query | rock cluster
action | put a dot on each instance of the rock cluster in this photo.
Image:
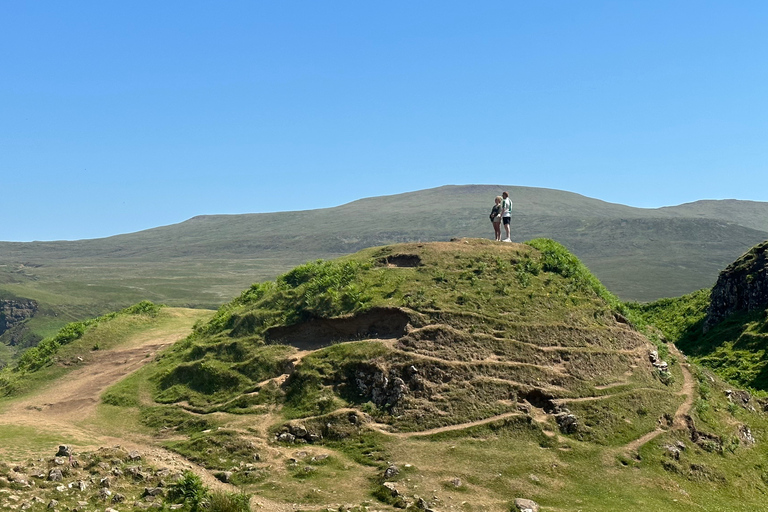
(84, 482)
(384, 388)
(14, 312)
(742, 286)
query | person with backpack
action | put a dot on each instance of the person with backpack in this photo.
(496, 218)
(506, 213)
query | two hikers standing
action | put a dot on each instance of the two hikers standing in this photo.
(501, 213)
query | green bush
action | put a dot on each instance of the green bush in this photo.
(555, 258)
(190, 492)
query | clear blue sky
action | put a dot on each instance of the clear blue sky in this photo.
(122, 116)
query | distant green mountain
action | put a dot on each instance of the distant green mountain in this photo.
(639, 254)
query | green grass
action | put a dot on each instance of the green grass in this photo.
(487, 324)
(206, 261)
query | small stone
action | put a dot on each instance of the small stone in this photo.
(153, 491)
(64, 451)
(55, 475)
(392, 489)
(224, 476)
(104, 493)
(118, 498)
(105, 482)
(391, 471)
(53, 504)
(456, 482)
(134, 455)
(524, 505)
(286, 437)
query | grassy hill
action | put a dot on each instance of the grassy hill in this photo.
(640, 254)
(450, 375)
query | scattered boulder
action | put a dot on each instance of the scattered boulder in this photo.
(64, 451)
(224, 476)
(566, 421)
(286, 437)
(740, 397)
(745, 435)
(55, 475)
(53, 504)
(525, 505)
(708, 442)
(392, 488)
(391, 471)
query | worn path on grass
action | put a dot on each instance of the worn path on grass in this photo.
(67, 405)
(678, 422)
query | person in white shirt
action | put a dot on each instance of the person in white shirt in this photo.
(506, 213)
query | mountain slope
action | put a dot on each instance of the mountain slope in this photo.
(479, 372)
(640, 254)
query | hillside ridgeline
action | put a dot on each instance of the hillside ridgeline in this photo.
(451, 375)
(207, 260)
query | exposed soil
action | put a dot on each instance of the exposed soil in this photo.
(678, 422)
(320, 332)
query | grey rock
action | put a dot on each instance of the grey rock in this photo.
(134, 456)
(153, 491)
(286, 437)
(567, 422)
(392, 489)
(745, 435)
(391, 471)
(53, 504)
(525, 505)
(299, 431)
(64, 451)
(104, 493)
(224, 476)
(55, 475)
(118, 498)
(105, 482)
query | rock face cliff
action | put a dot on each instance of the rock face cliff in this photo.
(741, 287)
(14, 312)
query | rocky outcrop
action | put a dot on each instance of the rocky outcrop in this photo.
(741, 287)
(14, 312)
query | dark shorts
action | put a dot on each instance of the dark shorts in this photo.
(506, 220)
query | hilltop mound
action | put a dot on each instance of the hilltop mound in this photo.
(464, 375)
(425, 336)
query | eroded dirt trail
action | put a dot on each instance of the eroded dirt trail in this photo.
(682, 411)
(66, 405)
(75, 396)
